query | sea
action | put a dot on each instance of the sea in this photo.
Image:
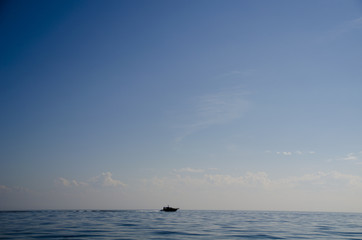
(183, 224)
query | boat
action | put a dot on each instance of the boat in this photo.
(169, 209)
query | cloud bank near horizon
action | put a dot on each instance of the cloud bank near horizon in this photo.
(191, 188)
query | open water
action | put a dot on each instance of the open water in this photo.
(183, 224)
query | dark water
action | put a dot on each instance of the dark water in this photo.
(184, 224)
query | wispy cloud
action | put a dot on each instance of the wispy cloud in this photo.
(289, 153)
(190, 170)
(100, 192)
(215, 109)
(344, 28)
(353, 157)
(194, 170)
(355, 24)
(103, 180)
(4, 188)
(350, 157)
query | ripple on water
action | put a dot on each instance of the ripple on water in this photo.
(180, 225)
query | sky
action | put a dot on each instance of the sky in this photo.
(207, 104)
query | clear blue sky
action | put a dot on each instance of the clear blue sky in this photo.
(199, 104)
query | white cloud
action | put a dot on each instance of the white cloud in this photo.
(190, 170)
(330, 181)
(70, 183)
(4, 188)
(350, 157)
(288, 153)
(284, 153)
(64, 182)
(198, 181)
(352, 180)
(250, 179)
(106, 180)
(100, 192)
(221, 180)
(103, 180)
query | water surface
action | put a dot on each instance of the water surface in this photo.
(183, 224)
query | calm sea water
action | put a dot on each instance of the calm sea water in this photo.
(184, 224)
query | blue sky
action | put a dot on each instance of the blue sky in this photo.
(198, 104)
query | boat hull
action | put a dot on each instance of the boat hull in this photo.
(169, 209)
